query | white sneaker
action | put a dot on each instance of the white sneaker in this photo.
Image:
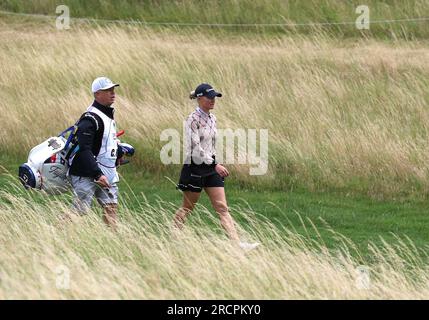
(248, 246)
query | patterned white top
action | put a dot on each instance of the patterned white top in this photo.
(200, 137)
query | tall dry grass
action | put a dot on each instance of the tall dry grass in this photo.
(251, 12)
(341, 115)
(43, 257)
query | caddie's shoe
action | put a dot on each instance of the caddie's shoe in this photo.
(248, 246)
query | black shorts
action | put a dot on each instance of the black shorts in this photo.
(196, 177)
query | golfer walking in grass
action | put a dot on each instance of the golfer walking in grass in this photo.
(93, 167)
(201, 171)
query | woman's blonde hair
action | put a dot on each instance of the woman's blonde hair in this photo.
(192, 95)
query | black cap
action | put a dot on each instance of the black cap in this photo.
(206, 90)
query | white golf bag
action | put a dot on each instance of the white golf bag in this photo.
(47, 164)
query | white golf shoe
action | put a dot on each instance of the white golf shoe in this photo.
(248, 246)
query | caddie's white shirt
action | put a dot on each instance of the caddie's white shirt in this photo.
(106, 158)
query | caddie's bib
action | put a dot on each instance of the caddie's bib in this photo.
(106, 158)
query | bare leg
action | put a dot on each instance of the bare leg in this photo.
(189, 201)
(110, 211)
(218, 200)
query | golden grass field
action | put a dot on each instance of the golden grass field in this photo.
(44, 257)
(346, 115)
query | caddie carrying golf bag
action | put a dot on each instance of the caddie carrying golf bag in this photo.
(48, 163)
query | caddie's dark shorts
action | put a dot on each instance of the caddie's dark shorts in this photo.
(196, 177)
